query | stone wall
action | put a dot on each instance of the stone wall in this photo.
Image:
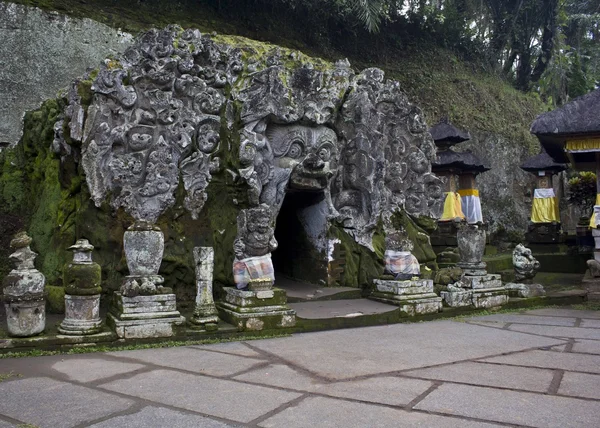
(40, 54)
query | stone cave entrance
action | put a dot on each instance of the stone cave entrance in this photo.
(301, 233)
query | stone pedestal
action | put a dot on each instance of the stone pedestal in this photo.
(23, 291)
(82, 278)
(143, 317)
(256, 310)
(525, 290)
(205, 313)
(476, 287)
(82, 315)
(414, 297)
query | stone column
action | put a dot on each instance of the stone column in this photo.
(23, 291)
(82, 281)
(205, 313)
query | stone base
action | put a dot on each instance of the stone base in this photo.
(490, 298)
(82, 315)
(543, 233)
(414, 297)
(525, 290)
(256, 310)
(26, 317)
(478, 291)
(457, 299)
(143, 317)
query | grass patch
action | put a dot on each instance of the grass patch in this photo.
(136, 346)
(587, 306)
(5, 376)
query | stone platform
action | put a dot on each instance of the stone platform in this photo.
(538, 368)
(256, 310)
(144, 317)
(414, 297)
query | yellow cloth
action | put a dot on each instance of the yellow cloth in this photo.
(545, 210)
(593, 217)
(468, 192)
(592, 144)
(452, 207)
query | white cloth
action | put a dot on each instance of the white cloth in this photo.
(543, 193)
(471, 206)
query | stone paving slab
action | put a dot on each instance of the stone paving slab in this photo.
(92, 369)
(521, 408)
(235, 348)
(349, 353)
(551, 331)
(526, 319)
(216, 397)
(160, 417)
(388, 390)
(590, 323)
(340, 308)
(195, 360)
(328, 412)
(580, 385)
(564, 312)
(551, 360)
(530, 379)
(46, 402)
(587, 346)
(4, 424)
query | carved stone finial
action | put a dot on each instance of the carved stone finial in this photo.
(82, 251)
(23, 258)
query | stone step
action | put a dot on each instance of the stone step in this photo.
(304, 292)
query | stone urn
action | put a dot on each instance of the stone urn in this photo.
(471, 240)
(82, 281)
(144, 245)
(23, 291)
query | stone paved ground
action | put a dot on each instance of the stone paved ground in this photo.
(536, 368)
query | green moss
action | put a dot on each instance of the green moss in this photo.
(422, 249)
(55, 299)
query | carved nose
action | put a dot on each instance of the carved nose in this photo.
(314, 162)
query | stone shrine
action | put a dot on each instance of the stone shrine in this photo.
(571, 134)
(184, 124)
(23, 291)
(544, 227)
(82, 280)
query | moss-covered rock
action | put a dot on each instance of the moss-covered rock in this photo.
(55, 299)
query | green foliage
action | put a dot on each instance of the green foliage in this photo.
(582, 191)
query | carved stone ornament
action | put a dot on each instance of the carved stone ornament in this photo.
(526, 266)
(158, 115)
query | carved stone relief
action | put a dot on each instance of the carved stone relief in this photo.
(158, 115)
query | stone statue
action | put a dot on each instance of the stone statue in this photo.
(399, 261)
(526, 266)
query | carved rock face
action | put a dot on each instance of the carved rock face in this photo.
(179, 107)
(307, 154)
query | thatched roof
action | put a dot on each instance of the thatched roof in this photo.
(580, 116)
(542, 162)
(464, 161)
(448, 133)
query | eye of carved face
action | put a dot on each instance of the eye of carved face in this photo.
(324, 153)
(296, 150)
